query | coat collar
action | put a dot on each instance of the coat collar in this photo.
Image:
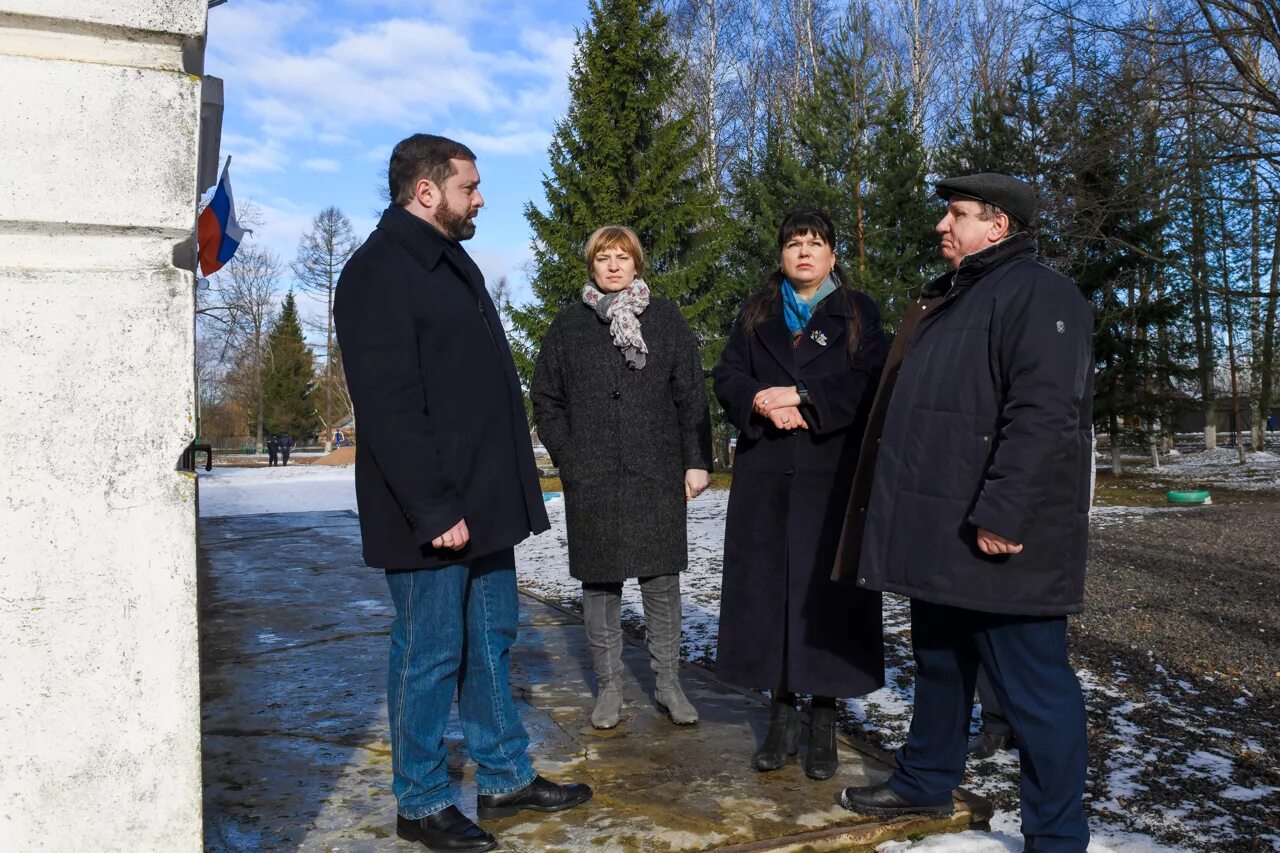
(428, 246)
(977, 265)
(420, 239)
(827, 328)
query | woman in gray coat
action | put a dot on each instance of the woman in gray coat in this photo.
(620, 404)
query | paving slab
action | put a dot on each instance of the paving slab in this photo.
(296, 752)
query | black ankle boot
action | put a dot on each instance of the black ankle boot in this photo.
(783, 737)
(822, 760)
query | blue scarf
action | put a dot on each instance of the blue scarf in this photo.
(796, 311)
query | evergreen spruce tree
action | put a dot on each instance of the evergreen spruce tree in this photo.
(819, 159)
(901, 212)
(289, 376)
(986, 140)
(620, 157)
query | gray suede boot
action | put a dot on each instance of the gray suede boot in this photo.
(662, 615)
(602, 615)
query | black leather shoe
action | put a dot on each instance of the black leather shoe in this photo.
(448, 829)
(821, 761)
(882, 801)
(782, 739)
(539, 795)
(985, 745)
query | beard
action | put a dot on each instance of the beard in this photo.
(458, 225)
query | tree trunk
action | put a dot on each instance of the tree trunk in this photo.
(1269, 331)
(328, 370)
(1117, 466)
(1231, 342)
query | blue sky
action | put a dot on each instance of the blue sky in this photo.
(317, 93)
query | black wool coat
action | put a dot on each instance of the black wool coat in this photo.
(990, 426)
(783, 621)
(443, 431)
(622, 439)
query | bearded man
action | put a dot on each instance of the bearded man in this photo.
(446, 486)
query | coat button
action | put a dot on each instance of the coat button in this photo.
(862, 509)
(862, 580)
(616, 393)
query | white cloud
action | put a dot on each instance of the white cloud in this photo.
(322, 164)
(512, 142)
(252, 154)
(326, 87)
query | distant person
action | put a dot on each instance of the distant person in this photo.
(446, 486)
(286, 444)
(621, 406)
(273, 449)
(979, 511)
(796, 378)
(337, 438)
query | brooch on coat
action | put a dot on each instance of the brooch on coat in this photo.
(819, 337)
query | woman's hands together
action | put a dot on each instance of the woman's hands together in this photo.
(781, 405)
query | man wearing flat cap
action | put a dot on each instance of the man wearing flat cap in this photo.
(972, 498)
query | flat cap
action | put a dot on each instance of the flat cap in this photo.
(1016, 198)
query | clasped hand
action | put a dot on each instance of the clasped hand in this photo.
(454, 539)
(781, 405)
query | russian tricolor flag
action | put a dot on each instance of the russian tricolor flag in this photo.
(219, 234)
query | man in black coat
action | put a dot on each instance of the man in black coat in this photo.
(979, 512)
(273, 449)
(446, 487)
(286, 445)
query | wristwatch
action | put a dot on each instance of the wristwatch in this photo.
(803, 391)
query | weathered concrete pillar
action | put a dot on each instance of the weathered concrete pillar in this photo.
(99, 679)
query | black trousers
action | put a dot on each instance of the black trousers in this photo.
(1026, 659)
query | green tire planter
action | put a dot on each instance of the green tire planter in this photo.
(1193, 496)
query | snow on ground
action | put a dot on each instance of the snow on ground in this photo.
(291, 488)
(1218, 468)
(1137, 758)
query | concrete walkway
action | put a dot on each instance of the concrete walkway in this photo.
(296, 757)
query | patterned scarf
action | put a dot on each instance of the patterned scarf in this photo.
(797, 311)
(622, 310)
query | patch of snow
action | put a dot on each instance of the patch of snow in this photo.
(254, 491)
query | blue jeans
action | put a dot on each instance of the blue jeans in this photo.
(1026, 659)
(453, 632)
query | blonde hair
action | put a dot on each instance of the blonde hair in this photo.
(615, 237)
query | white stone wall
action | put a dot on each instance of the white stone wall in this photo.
(99, 675)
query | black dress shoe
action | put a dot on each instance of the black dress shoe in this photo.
(448, 829)
(782, 739)
(985, 744)
(882, 801)
(539, 795)
(822, 760)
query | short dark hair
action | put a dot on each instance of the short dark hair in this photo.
(422, 156)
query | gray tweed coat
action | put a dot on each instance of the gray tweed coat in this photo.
(623, 439)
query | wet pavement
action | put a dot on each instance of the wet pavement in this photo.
(296, 756)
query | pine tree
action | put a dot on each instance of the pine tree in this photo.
(619, 157)
(290, 375)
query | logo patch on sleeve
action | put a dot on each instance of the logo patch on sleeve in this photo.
(1062, 327)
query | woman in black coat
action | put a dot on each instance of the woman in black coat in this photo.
(797, 378)
(620, 404)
